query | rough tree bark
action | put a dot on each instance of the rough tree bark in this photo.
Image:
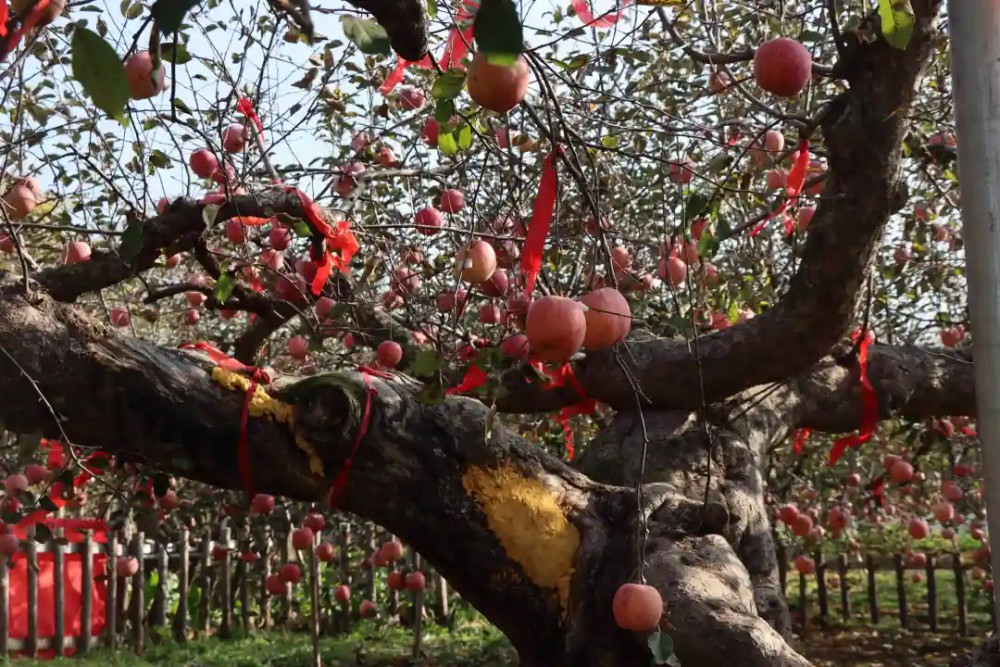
(539, 547)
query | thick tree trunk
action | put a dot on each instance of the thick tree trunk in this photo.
(535, 545)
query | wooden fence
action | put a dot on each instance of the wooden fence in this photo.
(229, 587)
(947, 565)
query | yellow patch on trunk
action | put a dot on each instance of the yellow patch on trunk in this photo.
(529, 522)
(263, 404)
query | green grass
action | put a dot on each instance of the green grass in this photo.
(472, 645)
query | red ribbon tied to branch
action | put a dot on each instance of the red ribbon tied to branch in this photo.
(366, 414)
(585, 406)
(33, 18)
(583, 12)
(800, 439)
(245, 107)
(793, 188)
(869, 402)
(340, 243)
(257, 376)
(455, 49)
(541, 219)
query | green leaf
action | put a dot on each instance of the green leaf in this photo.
(609, 141)
(99, 70)
(169, 14)
(131, 241)
(223, 287)
(427, 363)
(134, 11)
(367, 35)
(178, 57)
(498, 32)
(897, 21)
(465, 137)
(448, 85)
(447, 144)
(301, 229)
(159, 159)
(443, 111)
(432, 9)
(661, 646)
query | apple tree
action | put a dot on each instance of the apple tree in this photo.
(546, 299)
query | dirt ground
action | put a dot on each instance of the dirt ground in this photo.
(837, 647)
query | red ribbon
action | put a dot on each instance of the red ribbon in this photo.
(869, 402)
(800, 440)
(582, 10)
(585, 406)
(541, 219)
(257, 376)
(341, 245)
(474, 377)
(793, 188)
(341, 481)
(4, 17)
(245, 107)
(29, 23)
(455, 49)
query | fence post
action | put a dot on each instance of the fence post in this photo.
(206, 580)
(904, 620)
(244, 572)
(183, 569)
(418, 610)
(821, 583)
(314, 597)
(86, 601)
(803, 602)
(441, 597)
(159, 618)
(111, 590)
(58, 593)
(845, 598)
(956, 566)
(265, 597)
(872, 589)
(225, 630)
(782, 563)
(4, 609)
(137, 600)
(932, 602)
(32, 558)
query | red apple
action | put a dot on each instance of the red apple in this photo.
(143, 82)
(637, 607)
(452, 201)
(75, 252)
(126, 566)
(476, 261)
(555, 327)
(262, 503)
(782, 66)
(428, 221)
(234, 138)
(389, 354)
(290, 573)
(497, 87)
(325, 552)
(298, 347)
(302, 539)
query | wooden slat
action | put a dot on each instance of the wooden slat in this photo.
(87, 585)
(962, 610)
(313, 563)
(183, 571)
(904, 617)
(159, 617)
(845, 598)
(31, 552)
(932, 601)
(226, 593)
(244, 572)
(821, 584)
(418, 611)
(872, 589)
(58, 592)
(265, 597)
(111, 606)
(206, 580)
(137, 600)
(4, 607)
